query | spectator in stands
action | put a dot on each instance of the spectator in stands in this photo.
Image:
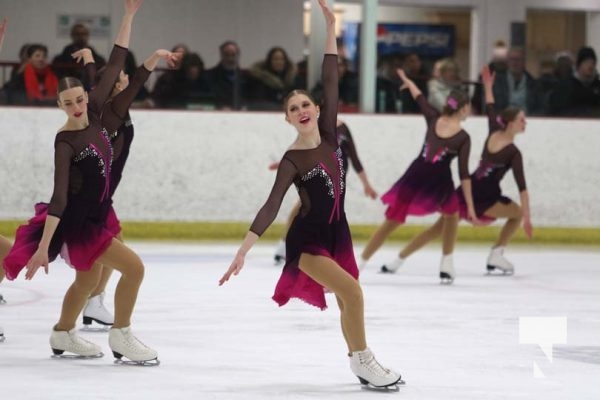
(23, 59)
(37, 83)
(447, 81)
(579, 95)
(414, 69)
(186, 87)
(271, 80)
(63, 63)
(515, 87)
(228, 81)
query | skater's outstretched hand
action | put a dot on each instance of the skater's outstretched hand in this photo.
(39, 258)
(528, 228)
(83, 54)
(234, 268)
(329, 15)
(132, 6)
(370, 192)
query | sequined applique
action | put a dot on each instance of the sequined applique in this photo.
(440, 155)
(485, 169)
(319, 171)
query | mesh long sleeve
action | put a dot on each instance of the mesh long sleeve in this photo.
(463, 158)
(350, 149)
(63, 153)
(286, 172)
(119, 106)
(518, 172)
(329, 106)
(427, 110)
(493, 124)
(115, 65)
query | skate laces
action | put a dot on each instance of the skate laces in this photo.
(367, 359)
(78, 342)
(134, 343)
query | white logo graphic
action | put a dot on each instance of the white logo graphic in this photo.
(544, 331)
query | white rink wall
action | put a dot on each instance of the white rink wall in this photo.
(212, 166)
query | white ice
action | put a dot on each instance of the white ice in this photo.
(233, 342)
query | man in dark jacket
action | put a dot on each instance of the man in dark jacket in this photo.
(64, 65)
(228, 82)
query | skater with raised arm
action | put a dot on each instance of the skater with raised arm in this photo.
(427, 186)
(77, 221)
(320, 255)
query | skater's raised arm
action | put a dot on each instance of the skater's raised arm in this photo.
(329, 78)
(116, 61)
(89, 65)
(427, 110)
(495, 122)
(123, 100)
(286, 173)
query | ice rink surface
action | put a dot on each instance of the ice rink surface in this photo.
(233, 342)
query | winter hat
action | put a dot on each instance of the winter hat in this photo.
(586, 53)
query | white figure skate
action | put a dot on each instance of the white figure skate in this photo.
(497, 263)
(371, 374)
(95, 311)
(61, 341)
(447, 270)
(124, 344)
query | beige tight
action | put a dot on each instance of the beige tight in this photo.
(513, 214)
(124, 260)
(446, 226)
(348, 294)
(5, 246)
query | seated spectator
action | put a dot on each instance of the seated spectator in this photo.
(37, 84)
(23, 60)
(228, 81)
(64, 65)
(440, 87)
(272, 79)
(579, 95)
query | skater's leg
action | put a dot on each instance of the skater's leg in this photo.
(429, 234)
(329, 274)
(76, 297)
(379, 238)
(124, 260)
(5, 246)
(513, 214)
(104, 278)
(449, 231)
(341, 307)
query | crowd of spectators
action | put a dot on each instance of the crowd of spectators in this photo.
(567, 85)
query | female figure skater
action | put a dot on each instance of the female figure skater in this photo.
(121, 140)
(77, 222)
(348, 148)
(427, 186)
(319, 244)
(499, 155)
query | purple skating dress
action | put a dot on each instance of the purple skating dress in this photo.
(83, 180)
(485, 181)
(320, 228)
(427, 186)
